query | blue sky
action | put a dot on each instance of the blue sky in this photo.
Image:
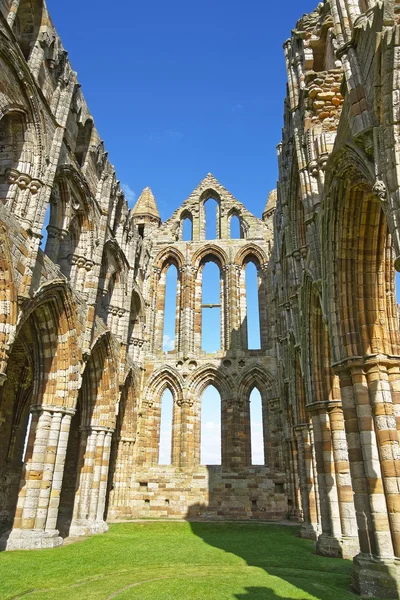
(180, 89)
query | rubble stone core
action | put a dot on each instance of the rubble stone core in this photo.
(82, 365)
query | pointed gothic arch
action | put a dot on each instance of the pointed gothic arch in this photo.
(27, 23)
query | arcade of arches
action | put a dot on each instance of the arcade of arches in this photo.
(94, 361)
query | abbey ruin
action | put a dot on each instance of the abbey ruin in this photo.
(82, 364)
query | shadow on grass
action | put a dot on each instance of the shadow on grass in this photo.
(282, 555)
(260, 593)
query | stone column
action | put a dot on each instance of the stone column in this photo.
(243, 339)
(156, 314)
(176, 433)
(187, 310)
(187, 432)
(120, 486)
(234, 278)
(349, 541)
(263, 305)
(99, 509)
(39, 496)
(370, 426)
(272, 428)
(384, 414)
(310, 527)
(329, 541)
(93, 465)
(236, 446)
(229, 305)
(292, 475)
(197, 312)
(394, 380)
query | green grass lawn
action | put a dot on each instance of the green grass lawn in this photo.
(178, 561)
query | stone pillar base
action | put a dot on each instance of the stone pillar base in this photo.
(350, 547)
(30, 539)
(328, 545)
(374, 578)
(84, 527)
(309, 532)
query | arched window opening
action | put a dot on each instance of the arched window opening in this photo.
(71, 469)
(319, 52)
(46, 223)
(27, 24)
(211, 208)
(12, 138)
(235, 228)
(165, 446)
(169, 332)
(187, 229)
(83, 141)
(252, 308)
(369, 243)
(27, 431)
(256, 428)
(211, 308)
(324, 52)
(210, 437)
(134, 317)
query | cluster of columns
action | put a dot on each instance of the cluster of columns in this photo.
(35, 522)
(39, 497)
(93, 465)
(119, 504)
(348, 461)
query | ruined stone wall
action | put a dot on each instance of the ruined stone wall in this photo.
(72, 327)
(336, 242)
(236, 489)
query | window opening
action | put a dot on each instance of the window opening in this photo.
(210, 449)
(187, 230)
(235, 228)
(27, 432)
(83, 141)
(44, 228)
(170, 309)
(256, 428)
(165, 446)
(27, 24)
(253, 309)
(211, 308)
(211, 212)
